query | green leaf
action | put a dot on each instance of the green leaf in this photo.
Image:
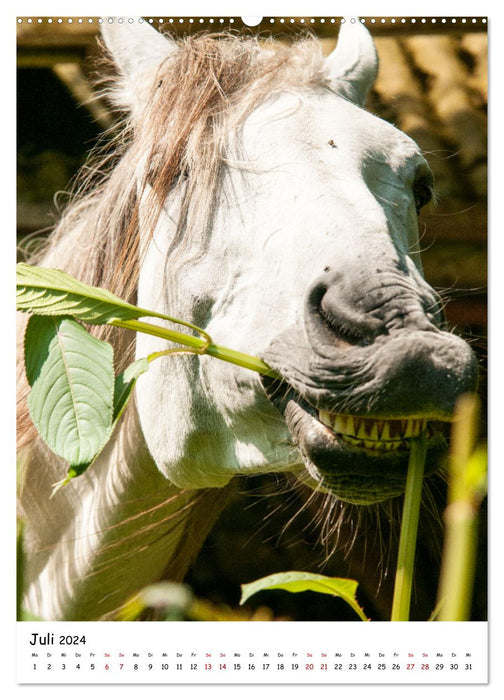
(299, 581)
(124, 385)
(71, 376)
(49, 292)
(172, 599)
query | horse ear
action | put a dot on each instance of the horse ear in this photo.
(137, 49)
(353, 65)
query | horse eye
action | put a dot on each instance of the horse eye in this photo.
(422, 192)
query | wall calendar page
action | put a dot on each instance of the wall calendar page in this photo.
(252, 359)
(314, 653)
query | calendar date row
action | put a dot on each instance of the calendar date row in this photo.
(123, 666)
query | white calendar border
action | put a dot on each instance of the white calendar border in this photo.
(273, 8)
(203, 653)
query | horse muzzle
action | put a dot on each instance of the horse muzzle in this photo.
(357, 386)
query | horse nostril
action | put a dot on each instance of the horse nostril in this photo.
(343, 330)
(335, 320)
(348, 323)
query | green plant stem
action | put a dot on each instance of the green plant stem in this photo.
(456, 582)
(461, 516)
(199, 345)
(409, 526)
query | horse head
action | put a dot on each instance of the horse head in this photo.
(286, 226)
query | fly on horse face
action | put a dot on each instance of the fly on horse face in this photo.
(250, 194)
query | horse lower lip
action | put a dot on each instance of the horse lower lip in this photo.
(354, 470)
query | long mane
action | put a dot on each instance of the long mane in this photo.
(200, 96)
(182, 138)
(177, 146)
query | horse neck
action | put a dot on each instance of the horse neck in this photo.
(119, 526)
(110, 532)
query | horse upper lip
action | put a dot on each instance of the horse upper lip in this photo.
(414, 374)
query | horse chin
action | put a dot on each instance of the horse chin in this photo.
(342, 454)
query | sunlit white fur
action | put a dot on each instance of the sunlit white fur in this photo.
(311, 179)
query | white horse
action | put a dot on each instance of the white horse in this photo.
(251, 194)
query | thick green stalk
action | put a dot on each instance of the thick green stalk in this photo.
(409, 527)
(457, 576)
(199, 345)
(466, 488)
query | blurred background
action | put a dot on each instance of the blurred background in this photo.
(432, 84)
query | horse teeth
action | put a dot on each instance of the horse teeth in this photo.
(395, 429)
(362, 432)
(353, 441)
(340, 424)
(392, 445)
(373, 434)
(325, 418)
